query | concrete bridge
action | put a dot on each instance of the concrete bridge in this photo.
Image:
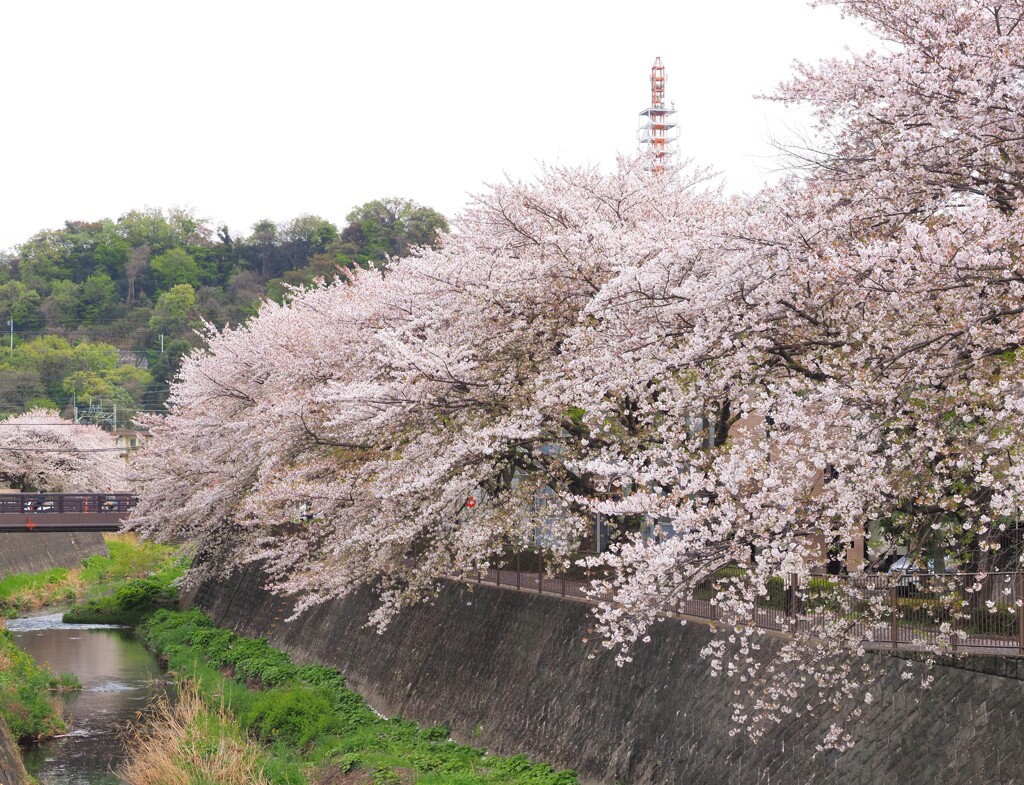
(64, 512)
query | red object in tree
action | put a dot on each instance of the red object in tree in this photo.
(471, 502)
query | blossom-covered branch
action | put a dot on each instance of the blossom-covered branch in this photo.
(761, 378)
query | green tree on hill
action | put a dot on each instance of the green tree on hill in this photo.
(174, 310)
(389, 227)
(98, 298)
(174, 267)
(22, 304)
(153, 273)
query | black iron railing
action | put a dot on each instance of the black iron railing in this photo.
(952, 612)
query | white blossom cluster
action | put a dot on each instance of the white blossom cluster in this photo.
(41, 451)
(762, 374)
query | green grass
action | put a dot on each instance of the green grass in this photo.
(308, 720)
(25, 591)
(130, 560)
(25, 701)
(65, 682)
(98, 577)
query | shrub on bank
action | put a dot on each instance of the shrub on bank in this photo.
(129, 605)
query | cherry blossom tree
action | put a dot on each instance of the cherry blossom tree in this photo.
(384, 403)
(859, 344)
(759, 376)
(41, 451)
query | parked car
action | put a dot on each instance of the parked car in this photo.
(905, 564)
(907, 574)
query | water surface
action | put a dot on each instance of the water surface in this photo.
(119, 677)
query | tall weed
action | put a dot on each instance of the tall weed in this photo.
(186, 742)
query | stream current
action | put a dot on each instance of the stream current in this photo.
(119, 677)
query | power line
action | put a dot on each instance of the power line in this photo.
(62, 449)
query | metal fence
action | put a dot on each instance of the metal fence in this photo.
(979, 612)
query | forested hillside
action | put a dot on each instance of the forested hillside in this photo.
(98, 314)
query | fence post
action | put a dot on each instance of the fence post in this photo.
(498, 571)
(540, 572)
(519, 571)
(894, 600)
(954, 616)
(791, 605)
(1020, 613)
(563, 583)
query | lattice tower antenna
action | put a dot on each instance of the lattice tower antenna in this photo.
(658, 128)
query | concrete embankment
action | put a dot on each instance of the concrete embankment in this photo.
(38, 551)
(12, 772)
(509, 671)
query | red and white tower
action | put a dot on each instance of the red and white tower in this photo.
(658, 128)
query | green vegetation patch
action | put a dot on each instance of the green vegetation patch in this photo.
(25, 700)
(313, 727)
(129, 605)
(130, 559)
(23, 591)
(151, 570)
(141, 575)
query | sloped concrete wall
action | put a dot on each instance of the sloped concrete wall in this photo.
(37, 551)
(12, 771)
(509, 671)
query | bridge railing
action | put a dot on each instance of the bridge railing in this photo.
(62, 503)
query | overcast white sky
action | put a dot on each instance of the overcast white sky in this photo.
(246, 110)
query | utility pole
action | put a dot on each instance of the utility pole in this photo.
(11, 323)
(161, 343)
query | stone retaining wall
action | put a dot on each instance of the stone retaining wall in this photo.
(38, 551)
(509, 671)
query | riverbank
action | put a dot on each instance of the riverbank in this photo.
(245, 712)
(27, 707)
(311, 728)
(97, 577)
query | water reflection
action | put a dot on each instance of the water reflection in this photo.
(118, 678)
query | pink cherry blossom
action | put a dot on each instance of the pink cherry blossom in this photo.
(758, 375)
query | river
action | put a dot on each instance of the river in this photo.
(119, 677)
